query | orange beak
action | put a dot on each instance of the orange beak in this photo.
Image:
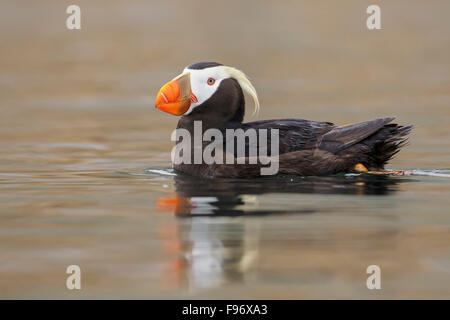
(175, 96)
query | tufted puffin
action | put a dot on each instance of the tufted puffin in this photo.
(214, 94)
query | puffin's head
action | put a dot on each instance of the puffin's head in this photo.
(206, 87)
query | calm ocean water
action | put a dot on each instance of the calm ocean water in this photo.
(85, 172)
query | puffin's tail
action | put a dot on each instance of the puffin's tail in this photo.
(384, 144)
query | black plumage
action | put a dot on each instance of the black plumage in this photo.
(305, 147)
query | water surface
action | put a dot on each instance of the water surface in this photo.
(85, 172)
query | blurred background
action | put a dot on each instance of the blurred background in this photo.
(80, 142)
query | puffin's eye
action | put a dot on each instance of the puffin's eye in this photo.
(210, 81)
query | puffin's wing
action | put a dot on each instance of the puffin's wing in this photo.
(294, 134)
(343, 137)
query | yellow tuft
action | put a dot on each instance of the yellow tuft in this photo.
(245, 84)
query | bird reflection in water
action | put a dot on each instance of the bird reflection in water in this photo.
(214, 246)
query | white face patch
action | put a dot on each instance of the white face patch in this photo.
(204, 83)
